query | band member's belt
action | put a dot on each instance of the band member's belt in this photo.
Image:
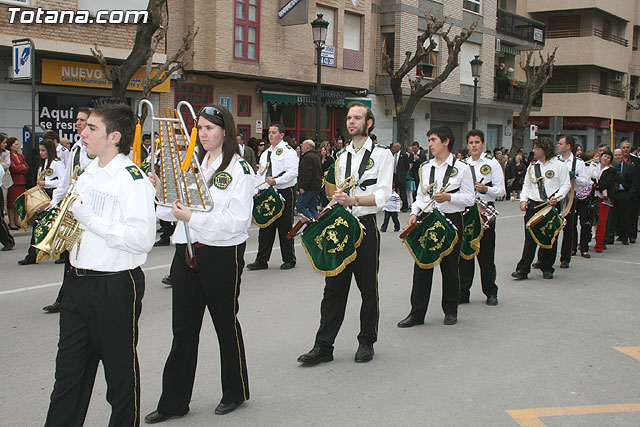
(367, 182)
(369, 216)
(83, 272)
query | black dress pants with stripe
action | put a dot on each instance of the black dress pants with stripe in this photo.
(423, 279)
(486, 260)
(267, 235)
(546, 256)
(98, 322)
(214, 285)
(336, 291)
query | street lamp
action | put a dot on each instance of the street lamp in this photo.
(319, 27)
(476, 68)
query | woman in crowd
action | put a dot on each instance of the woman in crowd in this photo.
(219, 240)
(605, 188)
(261, 148)
(520, 170)
(326, 160)
(19, 169)
(5, 162)
(51, 171)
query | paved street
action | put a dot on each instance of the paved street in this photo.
(548, 344)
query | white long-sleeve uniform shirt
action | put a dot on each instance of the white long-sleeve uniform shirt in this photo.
(379, 167)
(460, 180)
(52, 173)
(283, 158)
(63, 153)
(490, 172)
(582, 175)
(555, 177)
(78, 152)
(123, 228)
(227, 224)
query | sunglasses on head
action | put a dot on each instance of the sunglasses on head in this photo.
(211, 111)
(261, 145)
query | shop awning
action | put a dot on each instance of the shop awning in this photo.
(509, 50)
(306, 99)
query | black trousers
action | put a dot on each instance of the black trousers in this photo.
(98, 322)
(423, 279)
(394, 217)
(546, 256)
(167, 228)
(581, 241)
(215, 285)
(633, 218)
(5, 237)
(568, 236)
(336, 290)
(621, 214)
(486, 260)
(267, 235)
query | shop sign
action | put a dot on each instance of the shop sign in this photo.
(22, 61)
(85, 74)
(541, 121)
(332, 95)
(585, 122)
(450, 112)
(293, 12)
(328, 56)
(258, 126)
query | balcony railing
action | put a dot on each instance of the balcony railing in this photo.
(512, 92)
(520, 27)
(586, 32)
(575, 88)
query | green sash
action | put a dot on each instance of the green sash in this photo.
(545, 231)
(267, 207)
(433, 239)
(471, 233)
(331, 241)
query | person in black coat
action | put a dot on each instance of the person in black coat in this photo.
(605, 191)
(623, 198)
(401, 166)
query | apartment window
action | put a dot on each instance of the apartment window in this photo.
(353, 51)
(196, 94)
(18, 2)
(468, 52)
(472, 5)
(429, 66)
(388, 46)
(244, 131)
(328, 15)
(244, 106)
(246, 37)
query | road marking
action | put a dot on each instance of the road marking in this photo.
(531, 417)
(50, 285)
(629, 351)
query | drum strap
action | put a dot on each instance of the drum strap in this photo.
(363, 164)
(540, 182)
(473, 174)
(269, 168)
(447, 175)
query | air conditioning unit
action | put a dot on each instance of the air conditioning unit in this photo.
(498, 48)
(616, 76)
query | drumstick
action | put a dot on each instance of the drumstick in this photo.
(411, 227)
(264, 182)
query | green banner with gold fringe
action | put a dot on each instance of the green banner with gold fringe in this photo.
(472, 233)
(545, 226)
(330, 180)
(267, 207)
(21, 208)
(331, 241)
(434, 238)
(42, 228)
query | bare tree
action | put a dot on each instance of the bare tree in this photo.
(538, 74)
(148, 37)
(420, 86)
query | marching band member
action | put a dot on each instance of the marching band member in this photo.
(278, 168)
(488, 181)
(62, 152)
(442, 169)
(103, 289)
(577, 173)
(547, 182)
(372, 167)
(219, 238)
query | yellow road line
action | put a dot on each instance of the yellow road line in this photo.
(531, 417)
(630, 351)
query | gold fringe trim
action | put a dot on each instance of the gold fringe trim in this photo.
(553, 239)
(342, 266)
(475, 243)
(438, 261)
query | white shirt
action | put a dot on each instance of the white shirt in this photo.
(460, 180)
(53, 174)
(488, 169)
(227, 224)
(582, 175)
(119, 241)
(63, 153)
(84, 160)
(379, 167)
(283, 159)
(555, 177)
(598, 192)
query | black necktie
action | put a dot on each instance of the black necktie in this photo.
(269, 168)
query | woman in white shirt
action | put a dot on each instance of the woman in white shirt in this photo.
(51, 171)
(218, 238)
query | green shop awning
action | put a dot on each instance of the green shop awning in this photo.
(306, 99)
(510, 50)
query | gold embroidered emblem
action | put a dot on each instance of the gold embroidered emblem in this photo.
(485, 169)
(370, 164)
(278, 151)
(549, 174)
(454, 172)
(221, 180)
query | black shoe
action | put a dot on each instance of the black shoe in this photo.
(625, 242)
(518, 275)
(536, 265)
(450, 319)
(492, 300)
(632, 240)
(463, 300)
(564, 264)
(315, 356)
(158, 417)
(396, 229)
(609, 241)
(364, 353)
(27, 261)
(225, 408)
(573, 252)
(384, 230)
(404, 210)
(53, 308)
(162, 242)
(585, 255)
(8, 247)
(59, 261)
(547, 275)
(257, 266)
(287, 266)
(409, 321)
(167, 280)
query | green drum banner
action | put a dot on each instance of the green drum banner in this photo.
(545, 226)
(21, 208)
(42, 228)
(433, 239)
(267, 207)
(330, 242)
(330, 180)
(472, 233)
